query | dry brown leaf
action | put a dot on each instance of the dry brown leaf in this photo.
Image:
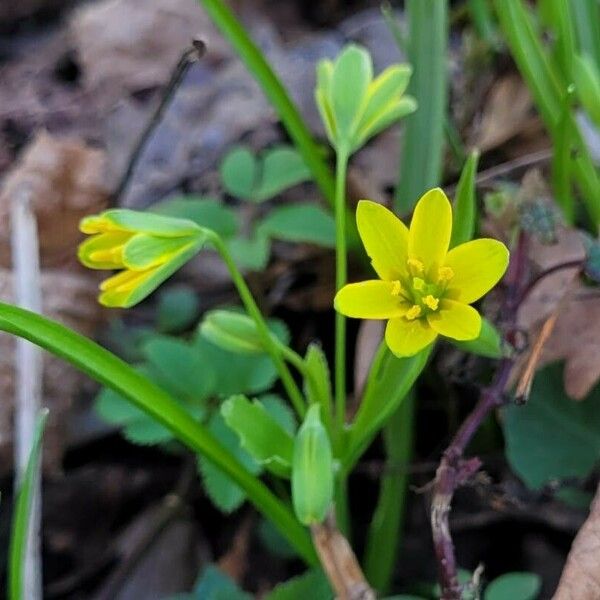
(63, 180)
(580, 579)
(507, 113)
(129, 45)
(576, 335)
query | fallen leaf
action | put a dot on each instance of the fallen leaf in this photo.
(131, 45)
(63, 181)
(580, 578)
(576, 334)
(507, 113)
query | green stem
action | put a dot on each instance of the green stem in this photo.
(341, 274)
(111, 371)
(271, 346)
(256, 63)
(342, 509)
(385, 532)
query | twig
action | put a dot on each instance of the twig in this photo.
(28, 373)
(454, 470)
(187, 59)
(339, 563)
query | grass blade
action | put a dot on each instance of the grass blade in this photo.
(21, 518)
(385, 530)
(422, 146)
(256, 63)
(111, 371)
(465, 205)
(586, 22)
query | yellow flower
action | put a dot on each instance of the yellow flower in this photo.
(147, 249)
(424, 289)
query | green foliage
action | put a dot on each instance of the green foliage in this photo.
(260, 178)
(22, 514)
(237, 332)
(422, 145)
(386, 388)
(221, 489)
(514, 586)
(552, 436)
(260, 434)
(464, 218)
(312, 584)
(312, 470)
(548, 77)
(354, 107)
(206, 212)
(213, 584)
(178, 309)
(587, 85)
(488, 343)
(303, 222)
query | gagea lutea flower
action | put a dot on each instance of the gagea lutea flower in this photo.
(424, 289)
(146, 248)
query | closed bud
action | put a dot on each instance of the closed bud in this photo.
(312, 470)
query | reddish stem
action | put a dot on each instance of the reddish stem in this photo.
(454, 470)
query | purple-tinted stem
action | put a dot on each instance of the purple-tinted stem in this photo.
(454, 470)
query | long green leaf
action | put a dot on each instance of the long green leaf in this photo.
(385, 530)
(254, 60)
(465, 206)
(111, 371)
(22, 515)
(422, 146)
(386, 389)
(586, 21)
(548, 89)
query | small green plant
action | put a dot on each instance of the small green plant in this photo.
(211, 390)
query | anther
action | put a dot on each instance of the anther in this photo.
(413, 313)
(396, 288)
(416, 265)
(431, 302)
(445, 274)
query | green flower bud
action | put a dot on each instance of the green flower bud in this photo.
(312, 470)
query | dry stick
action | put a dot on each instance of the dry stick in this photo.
(187, 59)
(28, 373)
(339, 563)
(454, 470)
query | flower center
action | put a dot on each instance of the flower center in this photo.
(421, 290)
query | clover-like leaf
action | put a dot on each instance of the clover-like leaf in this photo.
(260, 434)
(262, 177)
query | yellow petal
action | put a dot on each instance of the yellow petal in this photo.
(430, 230)
(385, 238)
(406, 338)
(104, 250)
(455, 320)
(371, 300)
(478, 266)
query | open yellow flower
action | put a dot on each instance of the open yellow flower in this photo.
(424, 289)
(146, 248)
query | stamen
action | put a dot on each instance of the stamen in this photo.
(413, 312)
(445, 274)
(418, 284)
(416, 265)
(431, 302)
(396, 288)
